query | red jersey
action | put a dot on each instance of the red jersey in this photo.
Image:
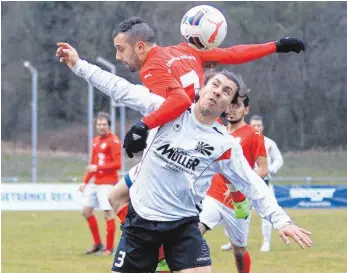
(176, 73)
(253, 146)
(106, 154)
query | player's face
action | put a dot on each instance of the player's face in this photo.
(236, 112)
(216, 95)
(127, 52)
(258, 125)
(102, 127)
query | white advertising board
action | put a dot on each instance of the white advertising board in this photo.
(28, 196)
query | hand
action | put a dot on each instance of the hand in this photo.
(135, 139)
(92, 168)
(290, 44)
(297, 233)
(81, 187)
(67, 54)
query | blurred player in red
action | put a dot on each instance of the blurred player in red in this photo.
(217, 209)
(104, 164)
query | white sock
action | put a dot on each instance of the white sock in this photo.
(266, 229)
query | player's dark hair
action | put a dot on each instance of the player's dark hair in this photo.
(103, 115)
(137, 29)
(245, 100)
(257, 117)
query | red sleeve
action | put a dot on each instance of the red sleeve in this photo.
(116, 162)
(258, 145)
(161, 82)
(238, 54)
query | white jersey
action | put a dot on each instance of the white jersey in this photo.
(274, 156)
(181, 156)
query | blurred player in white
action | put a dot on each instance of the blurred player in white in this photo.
(104, 164)
(275, 162)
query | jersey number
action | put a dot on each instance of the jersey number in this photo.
(120, 259)
(191, 79)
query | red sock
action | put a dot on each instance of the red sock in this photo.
(122, 214)
(161, 254)
(110, 231)
(247, 262)
(93, 225)
(237, 196)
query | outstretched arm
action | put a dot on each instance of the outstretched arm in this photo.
(246, 53)
(234, 166)
(120, 90)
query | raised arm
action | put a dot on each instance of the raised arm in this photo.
(247, 53)
(120, 90)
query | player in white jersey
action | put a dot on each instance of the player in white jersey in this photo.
(275, 162)
(181, 156)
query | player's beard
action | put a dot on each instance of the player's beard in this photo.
(136, 63)
(234, 121)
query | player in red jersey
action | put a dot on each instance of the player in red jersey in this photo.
(176, 73)
(217, 209)
(104, 164)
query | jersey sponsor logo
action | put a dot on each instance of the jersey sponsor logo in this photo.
(103, 145)
(179, 58)
(179, 157)
(204, 148)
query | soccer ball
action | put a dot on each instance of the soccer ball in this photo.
(204, 27)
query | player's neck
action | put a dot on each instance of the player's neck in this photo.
(232, 127)
(148, 49)
(203, 118)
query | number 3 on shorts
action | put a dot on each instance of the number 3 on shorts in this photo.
(120, 259)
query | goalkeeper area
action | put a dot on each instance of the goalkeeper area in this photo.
(54, 242)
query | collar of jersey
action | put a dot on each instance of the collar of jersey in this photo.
(197, 122)
(152, 52)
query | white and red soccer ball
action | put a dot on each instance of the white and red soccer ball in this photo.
(204, 27)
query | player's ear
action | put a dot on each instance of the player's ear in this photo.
(140, 47)
(246, 111)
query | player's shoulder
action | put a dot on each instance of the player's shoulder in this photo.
(114, 139)
(181, 49)
(96, 139)
(253, 131)
(269, 141)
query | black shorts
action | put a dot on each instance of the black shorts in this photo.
(138, 248)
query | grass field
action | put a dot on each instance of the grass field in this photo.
(60, 167)
(53, 242)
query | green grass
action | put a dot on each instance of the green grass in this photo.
(53, 242)
(52, 167)
(60, 167)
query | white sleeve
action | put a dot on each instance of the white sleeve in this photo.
(119, 89)
(276, 158)
(237, 170)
